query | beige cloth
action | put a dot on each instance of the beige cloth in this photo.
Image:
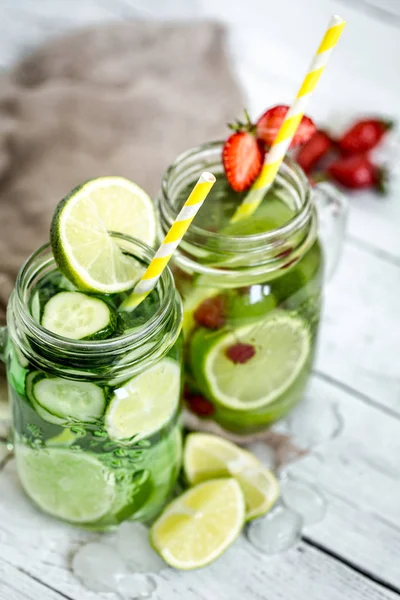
(124, 99)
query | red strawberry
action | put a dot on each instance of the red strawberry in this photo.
(211, 313)
(363, 135)
(240, 353)
(242, 155)
(313, 150)
(269, 123)
(199, 405)
(357, 172)
(243, 158)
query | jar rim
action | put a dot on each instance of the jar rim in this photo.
(43, 257)
(247, 243)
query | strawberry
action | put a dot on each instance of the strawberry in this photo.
(199, 405)
(211, 313)
(240, 353)
(269, 123)
(357, 172)
(313, 150)
(363, 135)
(242, 155)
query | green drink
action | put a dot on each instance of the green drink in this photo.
(252, 293)
(95, 392)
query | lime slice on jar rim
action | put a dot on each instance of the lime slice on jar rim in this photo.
(83, 248)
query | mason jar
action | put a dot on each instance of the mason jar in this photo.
(252, 290)
(72, 398)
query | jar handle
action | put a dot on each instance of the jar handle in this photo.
(3, 342)
(332, 208)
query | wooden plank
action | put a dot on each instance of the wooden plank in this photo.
(359, 338)
(43, 548)
(16, 585)
(359, 474)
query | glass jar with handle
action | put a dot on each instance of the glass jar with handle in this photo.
(251, 289)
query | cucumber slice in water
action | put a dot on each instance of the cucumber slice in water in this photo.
(56, 399)
(77, 316)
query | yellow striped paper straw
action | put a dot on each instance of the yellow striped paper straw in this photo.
(171, 241)
(291, 122)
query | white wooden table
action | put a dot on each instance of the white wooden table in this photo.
(354, 552)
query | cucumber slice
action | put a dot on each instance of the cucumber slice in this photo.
(58, 400)
(77, 316)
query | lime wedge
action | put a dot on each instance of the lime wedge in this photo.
(198, 527)
(208, 456)
(66, 484)
(82, 247)
(282, 346)
(145, 403)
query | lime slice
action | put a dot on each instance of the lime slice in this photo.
(77, 316)
(145, 403)
(208, 456)
(84, 250)
(69, 485)
(198, 527)
(282, 346)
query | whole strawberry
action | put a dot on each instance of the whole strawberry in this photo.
(269, 124)
(242, 155)
(357, 172)
(313, 151)
(363, 136)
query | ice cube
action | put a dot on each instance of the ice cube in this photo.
(136, 585)
(132, 543)
(265, 454)
(99, 567)
(313, 422)
(278, 531)
(304, 499)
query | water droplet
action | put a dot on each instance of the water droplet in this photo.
(278, 531)
(119, 451)
(304, 499)
(100, 433)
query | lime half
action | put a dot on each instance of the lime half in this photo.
(281, 343)
(208, 456)
(145, 403)
(198, 527)
(84, 250)
(66, 484)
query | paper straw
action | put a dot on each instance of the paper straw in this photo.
(284, 137)
(173, 238)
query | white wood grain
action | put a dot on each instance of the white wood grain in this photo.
(16, 585)
(271, 43)
(359, 339)
(43, 548)
(359, 473)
